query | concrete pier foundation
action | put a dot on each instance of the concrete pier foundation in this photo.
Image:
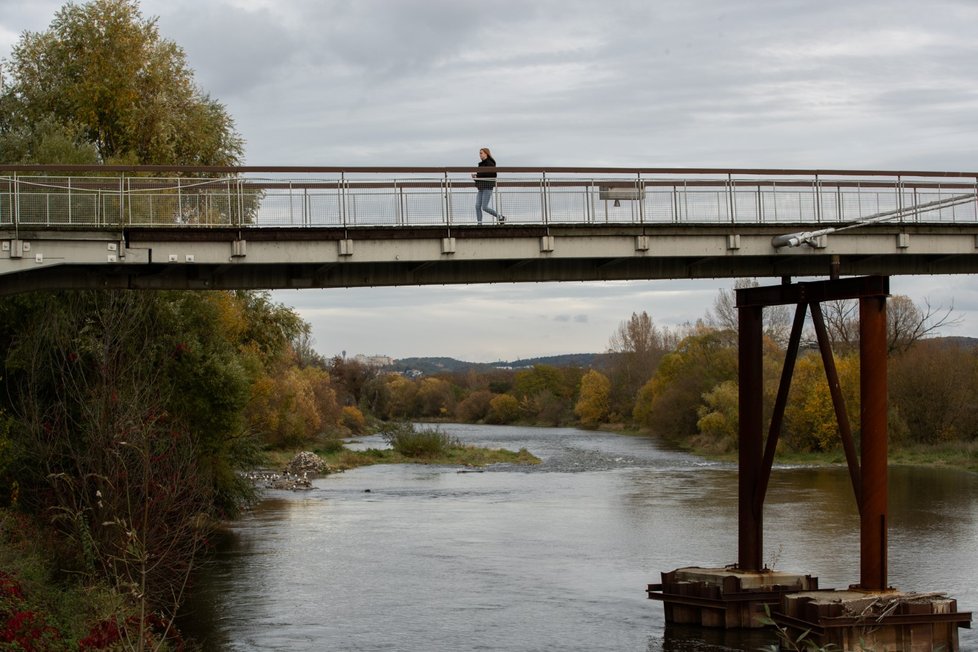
(874, 621)
(724, 597)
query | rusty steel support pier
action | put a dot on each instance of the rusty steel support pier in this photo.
(737, 596)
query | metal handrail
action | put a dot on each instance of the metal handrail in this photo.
(292, 196)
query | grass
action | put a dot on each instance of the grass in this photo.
(409, 445)
(952, 455)
(42, 607)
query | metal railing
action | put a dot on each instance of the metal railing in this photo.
(153, 196)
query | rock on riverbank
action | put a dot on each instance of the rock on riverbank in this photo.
(298, 473)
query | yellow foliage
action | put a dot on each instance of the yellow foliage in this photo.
(353, 420)
(595, 398)
(292, 406)
(504, 408)
(810, 421)
(231, 318)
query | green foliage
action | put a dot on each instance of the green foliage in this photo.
(409, 441)
(102, 77)
(435, 397)
(119, 400)
(933, 391)
(719, 418)
(475, 407)
(669, 403)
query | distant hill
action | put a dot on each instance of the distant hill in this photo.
(429, 366)
(967, 342)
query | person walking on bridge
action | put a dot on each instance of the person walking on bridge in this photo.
(485, 182)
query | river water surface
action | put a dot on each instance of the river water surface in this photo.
(552, 557)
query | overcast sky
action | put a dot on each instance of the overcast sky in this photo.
(695, 83)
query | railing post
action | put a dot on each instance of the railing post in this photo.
(731, 204)
(122, 198)
(838, 204)
(241, 200)
(342, 198)
(817, 186)
(447, 199)
(899, 192)
(401, 206)
(291, 207)
(640, 193)
(543, 198)
(760, 205)
(15, 215)
(227, 185)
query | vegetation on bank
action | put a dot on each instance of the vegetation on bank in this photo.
(408, 444)
(127, 418)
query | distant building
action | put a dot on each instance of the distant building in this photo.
(374, 360)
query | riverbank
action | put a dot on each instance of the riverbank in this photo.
(45, 607)
(959, 456)
(341, 458)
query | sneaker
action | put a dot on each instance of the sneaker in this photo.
(502, 219)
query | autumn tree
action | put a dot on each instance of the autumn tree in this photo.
(906, 322)
(933, 392)
(594, 403)
(475, 406)
(435, 397)
(350, 376)
(810, 422)
(669, 403)
(101, 82)
(546, 393)
(719, 418)
(776, 320)
(129, 427)
(636, 348)
(503, 408)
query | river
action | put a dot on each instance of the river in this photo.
(553, 557)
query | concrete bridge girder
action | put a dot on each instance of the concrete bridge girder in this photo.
(285, 258)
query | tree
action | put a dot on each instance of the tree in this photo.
(101, 77)
(595, 398)
(113, 445)
(636, 348)
(810, 422)
(349, 379)
(503, 408)
(933, 392)
(475, 406)
(724, 317)
(435, 397)
(719, 418)
(906, 323)
(668, 404)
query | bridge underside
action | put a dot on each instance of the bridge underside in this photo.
(268, 258)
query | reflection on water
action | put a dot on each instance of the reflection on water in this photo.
(550, 557)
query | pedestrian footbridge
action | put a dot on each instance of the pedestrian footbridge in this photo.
(302, 227)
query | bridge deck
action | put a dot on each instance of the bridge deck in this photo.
(331, 227)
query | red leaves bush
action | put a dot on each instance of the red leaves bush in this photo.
(22, 627)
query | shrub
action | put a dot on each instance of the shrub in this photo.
(411, 442)
(353, 420)
(504, 408)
